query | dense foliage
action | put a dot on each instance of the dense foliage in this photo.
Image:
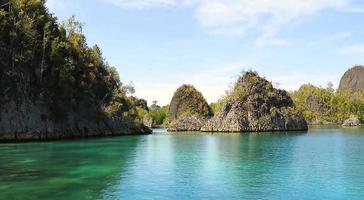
(44, 61)
(187, 101)
(241, 89)
(322, 105)
(158, 113)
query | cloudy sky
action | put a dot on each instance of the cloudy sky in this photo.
(161, 44)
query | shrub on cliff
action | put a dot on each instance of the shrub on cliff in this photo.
(254, 105)
(186, 102)
(324, 105)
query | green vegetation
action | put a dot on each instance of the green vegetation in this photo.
(186, 102)
(158, 113)
(360, 112)
(321, 105)
(242, 88)
(44, 61)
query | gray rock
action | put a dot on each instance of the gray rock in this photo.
(28, 121)
(259, 107)
(353, 79)
(352, 122)
(188, 110)
(192, 123)
(237, 117)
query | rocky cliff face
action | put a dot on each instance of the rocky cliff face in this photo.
(188, 110)
(28, 121)
(192, 123)
(353, 79)
(53, 85)
(254, 105)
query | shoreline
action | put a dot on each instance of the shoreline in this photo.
(70, 138)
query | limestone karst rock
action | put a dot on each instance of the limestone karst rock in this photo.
(253, 106)
(188, 110)
(353, 79)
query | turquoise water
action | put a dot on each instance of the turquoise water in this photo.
(324, 163)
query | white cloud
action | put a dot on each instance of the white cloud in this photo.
(339, 36)
(141, 4)
(353, 49)
(212, 82)
(265, 16)
(161, 92)
(236, 17)
(292, 81)
(353, 9)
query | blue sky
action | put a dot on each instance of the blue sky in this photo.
(161, 44)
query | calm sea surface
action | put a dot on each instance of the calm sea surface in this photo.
(324, 163)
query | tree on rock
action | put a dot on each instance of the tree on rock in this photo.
(254, 105)
(187, 110)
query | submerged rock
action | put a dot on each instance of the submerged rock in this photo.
(188, 110)
(253, 106)
(352, 122)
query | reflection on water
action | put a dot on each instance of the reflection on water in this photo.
(323, 163)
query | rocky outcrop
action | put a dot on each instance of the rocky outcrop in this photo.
(28, 121)
(53, 85)
(254, 106)
(192, 123)
(353, 79)
(353, 121)
(188, 110)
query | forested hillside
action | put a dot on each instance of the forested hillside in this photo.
(48, 66)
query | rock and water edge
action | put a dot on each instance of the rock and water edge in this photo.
(188, 110)
(28, 122)
(258, 107)
(253, 105)
(54, 86)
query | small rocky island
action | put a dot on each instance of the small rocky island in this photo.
(188, 110)
(253, 105)
(352, 83)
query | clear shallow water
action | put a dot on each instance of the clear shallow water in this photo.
(325, 163)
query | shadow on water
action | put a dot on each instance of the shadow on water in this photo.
(321, 163)
(63, 170)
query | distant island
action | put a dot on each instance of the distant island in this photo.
(321, 105)
(54, 86)
(253, 105)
